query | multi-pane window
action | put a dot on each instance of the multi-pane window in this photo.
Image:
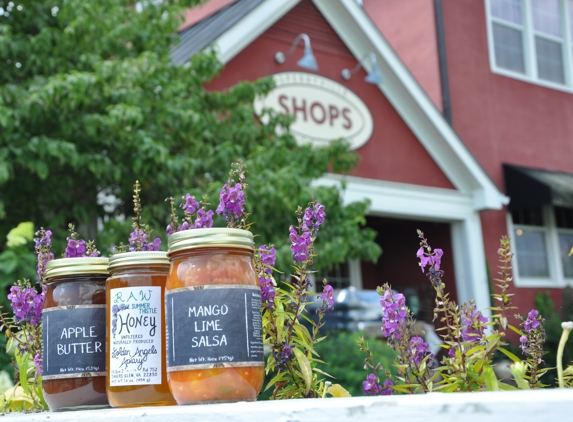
(531, 243)
(542, 240)
(532, 40)
(564, 223)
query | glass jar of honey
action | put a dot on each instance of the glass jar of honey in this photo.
(213, 317)
(135, 353)
(73, 333)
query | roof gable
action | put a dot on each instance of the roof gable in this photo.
(239, 24)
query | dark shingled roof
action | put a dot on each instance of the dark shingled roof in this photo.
(197, 37)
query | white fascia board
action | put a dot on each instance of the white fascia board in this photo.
(251, 27)
(402, 200)
(361, 36)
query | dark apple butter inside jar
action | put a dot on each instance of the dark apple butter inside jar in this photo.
(73, 321)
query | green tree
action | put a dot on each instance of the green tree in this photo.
(90, 102)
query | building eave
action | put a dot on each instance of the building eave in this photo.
(361, 36)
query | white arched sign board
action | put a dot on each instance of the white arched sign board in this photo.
(323, 108)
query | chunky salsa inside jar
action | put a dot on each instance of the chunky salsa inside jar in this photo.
(207, 267)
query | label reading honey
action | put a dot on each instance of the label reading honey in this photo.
(73, 341)
(213, 326)
(135, 336)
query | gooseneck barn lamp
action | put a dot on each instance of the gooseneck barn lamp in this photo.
(373, 77)
(308, 61)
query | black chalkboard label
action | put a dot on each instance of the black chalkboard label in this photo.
(214, 327)
(73, 341)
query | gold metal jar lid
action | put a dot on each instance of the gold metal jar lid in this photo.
(76, 266)
(215, 237)
(138, 258)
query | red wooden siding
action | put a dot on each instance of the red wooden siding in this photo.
(393, 153)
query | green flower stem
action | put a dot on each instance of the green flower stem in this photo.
(567, 327)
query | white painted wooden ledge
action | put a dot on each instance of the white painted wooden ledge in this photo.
(510, 406)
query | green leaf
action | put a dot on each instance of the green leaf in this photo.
(515, 330)
(519, 371)
(305, 369)
(40, 394)
(8, 266)
(506, 387)
(320, 371)
(509, 354)
(20, 234)
(490, 378)
(401, 389)
(277, 378)
(302, 333)
(23, 372)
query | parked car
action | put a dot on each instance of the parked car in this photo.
(354, 310)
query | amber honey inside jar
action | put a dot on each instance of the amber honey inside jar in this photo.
(73, 321)
(135, 354)
(213, 310)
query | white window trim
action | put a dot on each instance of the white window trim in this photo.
(556, 278)
(355, 269)
(530, 75)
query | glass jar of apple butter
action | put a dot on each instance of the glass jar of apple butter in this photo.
(73, 333)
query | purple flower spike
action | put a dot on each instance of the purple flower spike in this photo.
(328, 297)
(43, 249)
(299, 244)
(75, 248)
(191, 205)
(423, 258)
(268, 256)
(267, 292)
(38, 363)
(472, 323)
(531, 322)
(394, 313)
(154, 246)
(319, 215)
(419, 349)
(371, 386)
(26, 303)
(307, 219)
(204, 219)
(387, 388)
(284, 356)
(433, 259)
(232, 201)
(313, 217)
(436, 258)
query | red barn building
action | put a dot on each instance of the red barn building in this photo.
(464, 125)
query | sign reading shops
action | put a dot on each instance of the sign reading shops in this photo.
(323, 108)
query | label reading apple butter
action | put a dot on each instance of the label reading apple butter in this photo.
(73, 341)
